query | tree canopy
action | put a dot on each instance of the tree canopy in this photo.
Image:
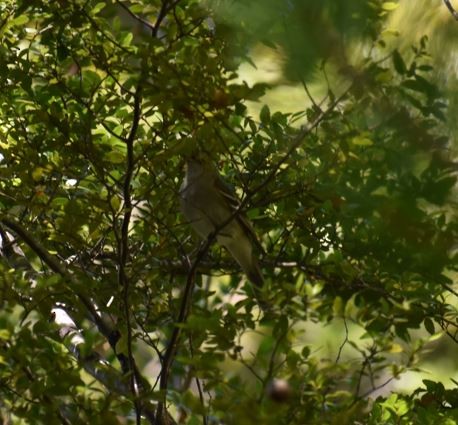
(114, 311)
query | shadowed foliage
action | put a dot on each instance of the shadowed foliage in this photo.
(113, 310)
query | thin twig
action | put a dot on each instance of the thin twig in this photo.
(344, 341)
(451, 9)
(252, 370)
(135, 16)
(295, 143)
(103, 33)
(271, 368)
(199, 387)
(165, 8)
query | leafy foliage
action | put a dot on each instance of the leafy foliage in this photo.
(114, 312)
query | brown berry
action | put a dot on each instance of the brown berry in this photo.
(279, 390)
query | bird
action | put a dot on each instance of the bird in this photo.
(210, 205)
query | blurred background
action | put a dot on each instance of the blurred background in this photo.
(301, 57)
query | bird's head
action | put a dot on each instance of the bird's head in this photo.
(198, 163)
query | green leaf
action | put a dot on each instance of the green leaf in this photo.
(126, 39)
(338, 307)
(421, 85)
(264, 115)
(398, 63)
(5, 334)
(115, 157)
(97, 8)
(19, 20)
(389, 5)
(362, 141)
(438, 191)
(429, 326)
(256, 92)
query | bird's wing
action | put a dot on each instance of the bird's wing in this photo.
(229, 196)
(227, 192)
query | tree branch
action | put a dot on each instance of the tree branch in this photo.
(104, 326)
(92, 363)
(172, 347)
(136, 17)
(123, 245)
(451, 9)
(165, 8)
(58, 267)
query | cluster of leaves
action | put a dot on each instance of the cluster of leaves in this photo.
(100, 101)
(307, 30)
(436, 405)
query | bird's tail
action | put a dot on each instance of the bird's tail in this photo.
(242, 252)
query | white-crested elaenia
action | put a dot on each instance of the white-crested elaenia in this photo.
(210, 205)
